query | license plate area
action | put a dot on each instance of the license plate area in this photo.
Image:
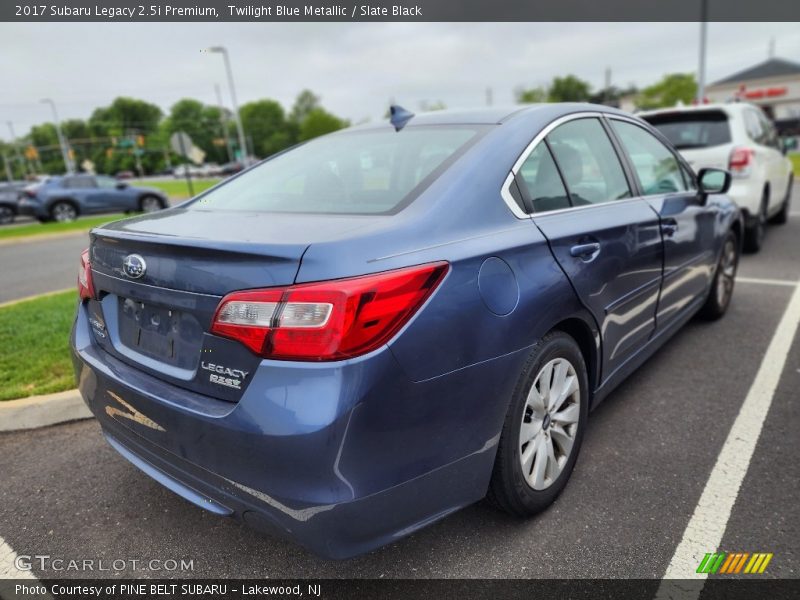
(165, 334)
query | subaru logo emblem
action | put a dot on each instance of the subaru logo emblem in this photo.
(134, 266)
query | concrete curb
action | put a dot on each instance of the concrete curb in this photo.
(41, 237)
(41, 411)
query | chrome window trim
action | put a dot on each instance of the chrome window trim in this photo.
(506, 194)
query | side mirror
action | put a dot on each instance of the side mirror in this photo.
(121, 185)
(714, 181)
(789, 144)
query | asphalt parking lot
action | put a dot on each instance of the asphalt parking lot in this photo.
(647, 456)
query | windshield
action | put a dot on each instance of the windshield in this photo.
(697, 129)
(358, 172)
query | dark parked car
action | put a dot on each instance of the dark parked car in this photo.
(64, 198)
(361, 335)
(9, 195)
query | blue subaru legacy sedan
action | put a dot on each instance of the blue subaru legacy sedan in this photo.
(367, 332)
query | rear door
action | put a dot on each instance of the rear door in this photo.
(770, 147)
(687, 225)
(111, 196)
(605, 240)
(84, 189)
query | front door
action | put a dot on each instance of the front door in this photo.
(687, 226)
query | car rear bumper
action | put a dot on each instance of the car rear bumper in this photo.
(340, 457)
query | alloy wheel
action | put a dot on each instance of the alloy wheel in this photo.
(549, 423)
(6, 215)
(150, 204)
(63, 212)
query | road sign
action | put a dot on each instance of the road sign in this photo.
(183, 145)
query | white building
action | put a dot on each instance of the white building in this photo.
(774, 85)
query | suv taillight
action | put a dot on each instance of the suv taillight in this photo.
(328, 320)
(85, 285)
(740, 161)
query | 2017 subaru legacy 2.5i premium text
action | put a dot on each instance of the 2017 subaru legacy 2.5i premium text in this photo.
(363, 334)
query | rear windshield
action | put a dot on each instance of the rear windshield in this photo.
(696, 129)
(358, 172)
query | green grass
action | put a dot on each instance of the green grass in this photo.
(45, 228)
(795, 158)
(177, 189)
(34, 346)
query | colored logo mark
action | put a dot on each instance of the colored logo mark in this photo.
(734, 562)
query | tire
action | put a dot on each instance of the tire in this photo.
(783, 215)
(7, 215)
(721, 291)
(754, 234)
(513, 487)
(150, 204)
(63, 211)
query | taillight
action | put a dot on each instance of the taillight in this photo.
(329, 320)
(740, 161)
(85, 285)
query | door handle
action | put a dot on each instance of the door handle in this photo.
(669, 227)
(585, 251)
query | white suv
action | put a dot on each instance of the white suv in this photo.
(737, 137)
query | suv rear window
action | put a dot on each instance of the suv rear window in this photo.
(696, 129)
(356, 172)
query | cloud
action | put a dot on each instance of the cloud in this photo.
(356, 67)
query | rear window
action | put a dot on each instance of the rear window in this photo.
(359, 172)
(696, 129)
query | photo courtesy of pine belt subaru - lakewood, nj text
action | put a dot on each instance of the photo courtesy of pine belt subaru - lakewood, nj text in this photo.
(363, 334)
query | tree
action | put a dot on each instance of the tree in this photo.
(305, 102)
(531, 95)
(673, 88)
(125, 116)
(265, 122)
(612, 95)
(203, 125)
(319, 122)
(569, 89)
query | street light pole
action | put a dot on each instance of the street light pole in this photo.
(239, 129)
(224, 122)
(16, 149)
(701, 68)
(61, 141)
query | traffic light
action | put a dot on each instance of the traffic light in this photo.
(140, 140)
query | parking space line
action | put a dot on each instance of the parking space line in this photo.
(758, 281)
(8, 564)
(706, 527)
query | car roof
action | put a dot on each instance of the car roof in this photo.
(494, 115)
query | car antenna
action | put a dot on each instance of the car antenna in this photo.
(399, 116)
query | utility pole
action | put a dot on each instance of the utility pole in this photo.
(489, 97)
(701, 68)
(239, 129)
(8, 169)
(607, 85)
(61, 139)
(224, 122)
(772, 47)
(16, 149)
